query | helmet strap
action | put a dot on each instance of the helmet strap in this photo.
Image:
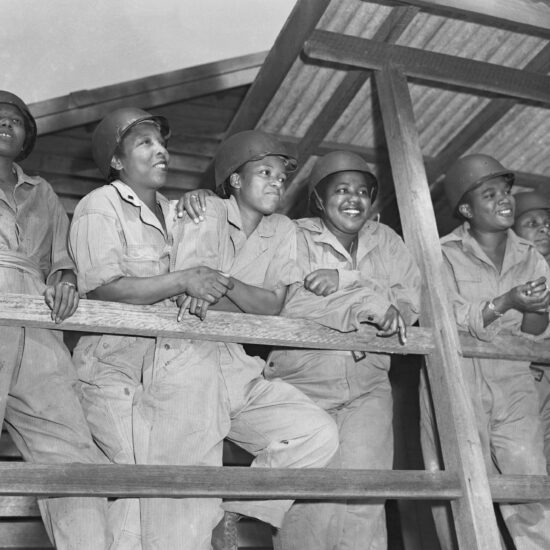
(320, 203)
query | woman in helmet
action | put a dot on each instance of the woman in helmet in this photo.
(354, 271)
(496, 281)
(532, 222)
(42, 411)
(244, 237)
(120, 239)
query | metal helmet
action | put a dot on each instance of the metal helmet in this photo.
(530, 200)
(469, 172)
(30, 123)
(109, 133)
(340, 161)
(246, 146)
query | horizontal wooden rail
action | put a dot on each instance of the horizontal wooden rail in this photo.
(431, 66)
(160, 320)
(23, 479)
(228, 482)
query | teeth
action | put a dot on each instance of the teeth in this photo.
(353, 211)
(506, 211)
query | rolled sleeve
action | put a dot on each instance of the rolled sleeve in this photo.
(342, 310)
(97, 248)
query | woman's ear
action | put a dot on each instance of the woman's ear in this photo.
(235, 180)
(116, 163)
(465, 210)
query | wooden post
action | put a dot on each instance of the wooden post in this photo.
(474, 515)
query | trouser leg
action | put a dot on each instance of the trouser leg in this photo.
(363, 445)
(282, 428)
(46, 421)
(517, 445)
(542, 384)
(186, 417)
(109, 368)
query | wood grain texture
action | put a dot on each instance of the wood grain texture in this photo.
(115, 318)
(235, 482)
(22, 479)
(473, 513)
(430, 66)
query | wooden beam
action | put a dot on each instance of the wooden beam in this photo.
(430, 66)
(90, 105)
(481, 123)
(115, 318)
(286, 49)
(524, 15)
(519, 488)
(19, 481)
(462, 453)
(233, 482)
(390, 30)
(110, 317)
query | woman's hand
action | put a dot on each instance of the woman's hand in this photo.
(194, 204)
(393, 323)
(62, 299)
(322, 282)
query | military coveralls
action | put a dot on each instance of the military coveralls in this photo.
(352, 387)
(541, 374)
(126, 382)
(273, 421)
(503, 392)
(42, 411)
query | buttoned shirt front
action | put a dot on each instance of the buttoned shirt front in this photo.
(113, 235)
(381, 274)
(33, 236)
(266, 259)
(473, 280)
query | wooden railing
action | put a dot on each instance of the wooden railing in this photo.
(195, 481)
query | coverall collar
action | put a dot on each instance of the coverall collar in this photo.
(516, 247)
(129, 195)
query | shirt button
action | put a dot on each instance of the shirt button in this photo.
(131, 197)
(166, 346)
(271, 363)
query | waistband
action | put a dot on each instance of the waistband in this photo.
(16, 260)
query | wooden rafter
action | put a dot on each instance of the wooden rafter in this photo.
(288, 45)
(390, 30)
(430, 66)
(87, 106)
(525, 15)
(482, 123)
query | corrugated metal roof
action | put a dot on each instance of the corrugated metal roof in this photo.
(440, 112)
